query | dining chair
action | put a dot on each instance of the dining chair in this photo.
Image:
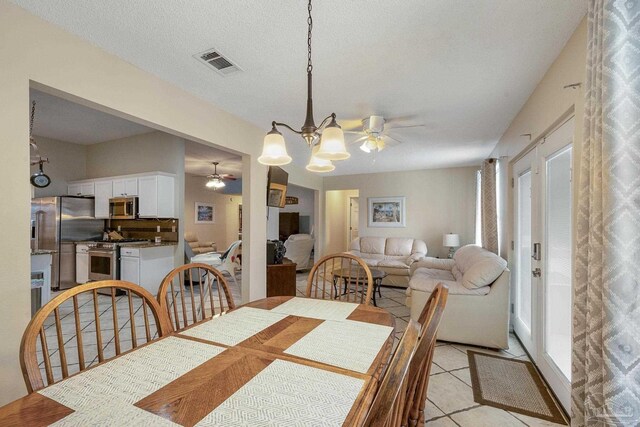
(86, 325)
(193, 293)
(420, 367)
(342, 277)
(389, 402)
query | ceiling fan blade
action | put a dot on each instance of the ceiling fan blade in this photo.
(228, 176)
(392, 140)
(355, 141)
(351, 125)
(400, 119)
(405, 127)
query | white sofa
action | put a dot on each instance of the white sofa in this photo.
(477, 311)
(298, 250)
(393, 255)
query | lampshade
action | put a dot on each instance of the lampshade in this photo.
(319, 165)
(451, 240)
(274, 151)
(332, 143)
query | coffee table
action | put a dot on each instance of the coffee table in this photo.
(350, 275)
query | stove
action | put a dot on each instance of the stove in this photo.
(104, 256)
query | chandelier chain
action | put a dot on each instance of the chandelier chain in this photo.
(33, 114)
(310, 23)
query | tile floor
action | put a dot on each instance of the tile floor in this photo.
(450, 397)
(450, 401)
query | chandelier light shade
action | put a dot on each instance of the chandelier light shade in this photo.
(274, 150)
(331, 147)
(332, 143)
(317, 164)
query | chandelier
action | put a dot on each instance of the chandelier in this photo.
(329, 134)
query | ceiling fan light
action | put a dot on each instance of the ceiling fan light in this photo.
(332, 143)
(274, 151)
(380, 144)
(365, 147)
(317, 164)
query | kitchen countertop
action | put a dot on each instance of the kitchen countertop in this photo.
(147, 245)
(43, 252)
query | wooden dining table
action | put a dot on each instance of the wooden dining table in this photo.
(275, 361)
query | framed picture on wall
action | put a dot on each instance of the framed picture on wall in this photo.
(387, 212)
(205, 213)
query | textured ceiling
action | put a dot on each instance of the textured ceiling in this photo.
(198, 159)
(462, 68)
(64, 120)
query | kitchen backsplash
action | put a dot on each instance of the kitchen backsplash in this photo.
(146, 228)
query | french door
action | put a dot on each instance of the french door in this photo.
(542, 187)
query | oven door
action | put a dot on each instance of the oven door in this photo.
(102, 264)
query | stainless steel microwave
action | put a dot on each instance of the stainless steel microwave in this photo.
(123, 208)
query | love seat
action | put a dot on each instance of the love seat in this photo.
(393, 255)
(477, 310)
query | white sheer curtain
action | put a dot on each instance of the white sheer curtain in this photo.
(606, 325)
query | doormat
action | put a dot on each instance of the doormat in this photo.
(512, 385)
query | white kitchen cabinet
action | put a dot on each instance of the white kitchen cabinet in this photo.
(74, 189)
(156, 196)
(82, 263)
(87, 189)
(130, 269)
(125, 187)
(81, 189)
(103, 190)
(146, 266)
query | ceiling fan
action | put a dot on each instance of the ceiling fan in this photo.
(375, 136)
(216, 180)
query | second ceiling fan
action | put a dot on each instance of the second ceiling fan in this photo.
(216, 180)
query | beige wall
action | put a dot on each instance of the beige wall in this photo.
(548, 106)
(67, 162)
(336, 216)
(149, 152)
(306, 201)
(225, 228)
(37, 54)
(438, 201)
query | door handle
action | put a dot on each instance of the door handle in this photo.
(536, 252)
(536, 272)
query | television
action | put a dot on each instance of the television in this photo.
(277, 180)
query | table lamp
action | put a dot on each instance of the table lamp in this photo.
(451, 241)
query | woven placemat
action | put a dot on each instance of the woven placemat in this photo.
(512, 385)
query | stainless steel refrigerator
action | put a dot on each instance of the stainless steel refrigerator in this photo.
(56, 224)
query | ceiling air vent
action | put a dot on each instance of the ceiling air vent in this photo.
(219, 63)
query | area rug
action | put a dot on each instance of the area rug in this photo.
(512, 385)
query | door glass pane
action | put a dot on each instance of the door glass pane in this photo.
(557, 273)
(524, 250)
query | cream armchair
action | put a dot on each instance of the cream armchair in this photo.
(477, 310)
(299, 247)
(198, 247)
